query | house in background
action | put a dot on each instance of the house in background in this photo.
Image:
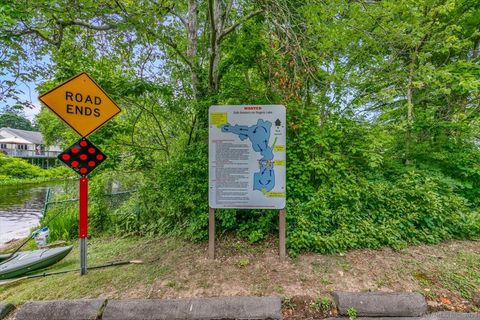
(25, 144)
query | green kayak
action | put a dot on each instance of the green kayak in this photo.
(23, 262)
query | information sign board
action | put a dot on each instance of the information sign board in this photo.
(247, 156)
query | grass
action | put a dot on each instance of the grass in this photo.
(457, 272)
(447, 274)
(62, 220)
(352, 313)
(14, 181)
(114, 280)
(462, 275)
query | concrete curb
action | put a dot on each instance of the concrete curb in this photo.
(380, 318)
(433, 316)
(224, 308)
(61, 310)
(447, 315)
(381, 304)
(5, 309)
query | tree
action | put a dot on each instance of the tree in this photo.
(13, 120)
(381, 95)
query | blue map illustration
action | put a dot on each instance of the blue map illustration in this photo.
(259, 136)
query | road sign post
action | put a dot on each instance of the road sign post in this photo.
(83, 157)
(83, 223)
(83, 105)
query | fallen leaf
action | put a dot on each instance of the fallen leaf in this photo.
(445, 300)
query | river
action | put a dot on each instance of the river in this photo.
(21, 209)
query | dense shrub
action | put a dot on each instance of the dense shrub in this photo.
(173, 198)
(105, 206)
(344, 189)
(344, 192)
(110, 195)
(17, 168)
(369, 214)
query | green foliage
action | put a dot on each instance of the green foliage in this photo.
(243, 262)
(381, 96)
(352, 313)
(105, 206)
(62, 221)
(322, 304)
(413, 209)
(15, 121)
(256, 225)
(16, 170)
(110, 194)
(340, 149)
(172, 200)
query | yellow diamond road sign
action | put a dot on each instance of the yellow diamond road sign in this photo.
(81, 103)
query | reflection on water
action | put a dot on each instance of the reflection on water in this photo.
(20, 209)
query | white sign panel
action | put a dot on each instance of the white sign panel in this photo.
(247, 157)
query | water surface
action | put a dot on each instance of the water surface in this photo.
(21, 208)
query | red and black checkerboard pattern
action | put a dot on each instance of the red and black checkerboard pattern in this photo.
(82, 157)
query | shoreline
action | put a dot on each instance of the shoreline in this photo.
(19, 217)
(33, 181)
(10, 244)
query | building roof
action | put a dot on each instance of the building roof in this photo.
(32, 136)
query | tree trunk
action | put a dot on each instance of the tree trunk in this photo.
(408, 136)
(192, 46)
(217, 19)
(476, 49)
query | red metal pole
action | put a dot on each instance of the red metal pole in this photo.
(83, 224)
(83, 219)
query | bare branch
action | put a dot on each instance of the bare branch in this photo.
(56, 39)
(182, 19)
(238, 23)
(32, 31)
(172, 45)
(76, 22)
(225, 13)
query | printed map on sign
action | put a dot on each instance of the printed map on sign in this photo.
(259, 136)
(247, 156)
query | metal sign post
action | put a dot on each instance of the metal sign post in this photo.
(281, 233)
(83, 157)
(85, 107)
(83, 224)
(211, 233)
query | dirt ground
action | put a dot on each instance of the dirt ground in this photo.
(444, 273)
(448, 274)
